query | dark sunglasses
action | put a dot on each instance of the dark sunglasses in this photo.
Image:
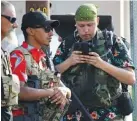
(11, 19)
(46, 28)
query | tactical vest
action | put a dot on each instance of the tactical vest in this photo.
(94, 87)
(45, 79)
(10, 82)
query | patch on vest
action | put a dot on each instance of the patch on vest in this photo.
(11, 84)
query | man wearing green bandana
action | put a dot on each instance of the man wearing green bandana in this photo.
(94, 66)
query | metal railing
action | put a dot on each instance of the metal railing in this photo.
(133, 34)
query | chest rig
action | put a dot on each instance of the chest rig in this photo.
(44, 74)
(94, 87)
(45, 79)
(10, 82)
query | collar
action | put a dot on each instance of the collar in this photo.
(37, 54)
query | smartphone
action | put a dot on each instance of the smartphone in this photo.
(82, 46)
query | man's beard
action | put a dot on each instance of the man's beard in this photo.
(10, 42)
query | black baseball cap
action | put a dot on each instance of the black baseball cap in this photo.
(37, 19)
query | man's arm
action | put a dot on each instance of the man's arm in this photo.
(63, 66)
(31, 94)
(126, 75)
(75, 58)
(121, 66)
(19, 68)
(61, 60)
(66, 89)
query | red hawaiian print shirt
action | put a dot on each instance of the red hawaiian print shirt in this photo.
(18, 60)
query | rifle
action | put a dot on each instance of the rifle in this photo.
(77, 104)
(43, 108)
(56, 113)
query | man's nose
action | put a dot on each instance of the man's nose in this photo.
(86, 29)
(15, 25)
(51, 33)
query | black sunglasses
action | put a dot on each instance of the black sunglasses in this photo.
(11, 19)
(46, 28)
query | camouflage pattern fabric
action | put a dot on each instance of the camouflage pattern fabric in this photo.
(107, 87)
(47, 79)
(11, 85)
(49, 111)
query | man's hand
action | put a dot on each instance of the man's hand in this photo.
(59, 96)
(76, 57)
(93, 59)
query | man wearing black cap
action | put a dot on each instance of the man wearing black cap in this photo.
(28, 60)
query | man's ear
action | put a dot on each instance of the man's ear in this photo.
(30, 31)
(98, 20)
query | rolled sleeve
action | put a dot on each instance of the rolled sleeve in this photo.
(60, 55)
(18, 65)
(121, 55)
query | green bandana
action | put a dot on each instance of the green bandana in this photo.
(86, 12)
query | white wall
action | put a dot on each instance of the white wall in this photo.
(20, 7)
(113, 8)
(127, 20)
(105, 8)
(120, 19)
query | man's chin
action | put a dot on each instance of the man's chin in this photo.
(86, 39)
(46, 44)
(10, 42)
